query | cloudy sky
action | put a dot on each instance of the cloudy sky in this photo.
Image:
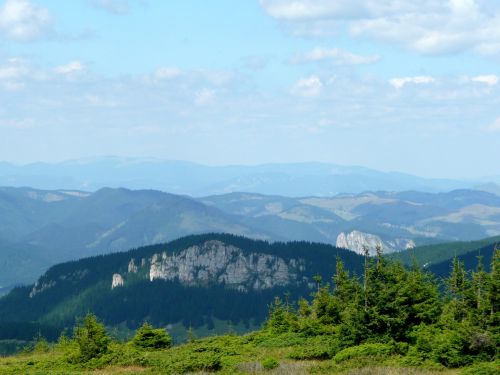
(387, 84)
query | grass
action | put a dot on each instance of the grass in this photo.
(229, 354)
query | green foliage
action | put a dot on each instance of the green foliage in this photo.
(318, 347)
(364, 350)
(484, 368)
(91, 337)
(281, 318)
(270, 363)
(148, 337)
(41, 345)
(284, 340)
(392, 304)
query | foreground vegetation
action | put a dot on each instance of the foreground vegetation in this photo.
(391, 321)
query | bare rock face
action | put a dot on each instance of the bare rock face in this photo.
(41, 287)
(356, 240)
(44, 284)
(132, 268)
(217, 263)
(117, 281)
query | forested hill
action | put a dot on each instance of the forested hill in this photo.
(193, 280)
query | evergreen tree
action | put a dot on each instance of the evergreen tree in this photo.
(148, 337)
(91, 338)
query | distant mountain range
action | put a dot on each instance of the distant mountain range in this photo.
(39, 228)
(179, 177)
(194, 282)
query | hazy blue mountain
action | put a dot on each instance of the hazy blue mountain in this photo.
(301, 179)
(490, 187)
(39, 228)
(422, 217)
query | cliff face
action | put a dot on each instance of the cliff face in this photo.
(217, 263)
(356, 240)
(211, 263)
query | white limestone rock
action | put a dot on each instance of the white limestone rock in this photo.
(217, 263)
(117, 281)
(356, 240)
(132, 268)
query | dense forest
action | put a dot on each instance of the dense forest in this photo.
(85, 285)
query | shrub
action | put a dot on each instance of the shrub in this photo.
(269, 363)
(91, 338)
(148, 337)
(364, 350)
(321, 347)
(268, 340)
(485, 368)
(41, 345)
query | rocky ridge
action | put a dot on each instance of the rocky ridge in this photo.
(214, 262)
(357, 241)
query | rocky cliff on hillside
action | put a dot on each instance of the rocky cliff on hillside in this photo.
(217, 263)
(356, 241)
(211, 263)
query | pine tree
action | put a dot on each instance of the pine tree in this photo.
(148, 337)
(91, 338)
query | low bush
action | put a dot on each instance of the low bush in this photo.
(270, 363)
(267, 340)
(321, 347)
(364, 350)
(484, 368)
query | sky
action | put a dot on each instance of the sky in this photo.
(387, 84)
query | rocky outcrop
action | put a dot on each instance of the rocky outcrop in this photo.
(132, 268)
(400, 244)
(44, 283)
(117, 281)
(356, 241)
(217, 263)
(41, 287)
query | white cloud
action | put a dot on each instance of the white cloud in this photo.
(490, 80)
(495, 126)
(113, 6)
(14, 73)
(167, 73)
(19, 124)
(98, 101)
(72, 68)
(14, 69)
(308, 87)
(204, 96)
(427, 26)
(307, 9)
(418, 80)
(338, 56)
(23, 21)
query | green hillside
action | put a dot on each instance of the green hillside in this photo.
(433, 254)
(71, 289)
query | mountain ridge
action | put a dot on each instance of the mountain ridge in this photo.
(182, 177)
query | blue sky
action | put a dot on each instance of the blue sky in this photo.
(386, 84)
